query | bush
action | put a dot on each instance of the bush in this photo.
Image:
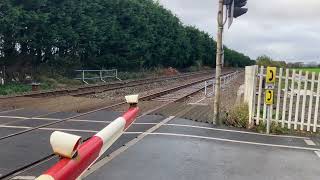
(238, 117)
(261, 128)
(275, 128)
(143, 73)
(14, 88)
(47, 83)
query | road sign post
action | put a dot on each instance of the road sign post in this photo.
(269, 101)
(269, 93)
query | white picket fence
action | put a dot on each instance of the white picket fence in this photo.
(297, 96)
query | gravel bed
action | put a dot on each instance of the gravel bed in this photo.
(142, 90)
(84, 104)
(228, 95)
(57, 104)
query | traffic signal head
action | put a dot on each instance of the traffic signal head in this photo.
(235, 9)
(240, 3)
(238, 8)
(239, 11)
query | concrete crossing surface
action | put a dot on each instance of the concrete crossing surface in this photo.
(158, 147)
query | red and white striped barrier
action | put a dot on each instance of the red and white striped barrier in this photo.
(77, 160)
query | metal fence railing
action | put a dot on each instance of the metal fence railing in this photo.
(97, 75)
(209, 91)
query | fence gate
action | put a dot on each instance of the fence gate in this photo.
(297, 96)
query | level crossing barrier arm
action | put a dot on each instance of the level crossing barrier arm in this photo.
(77, 158)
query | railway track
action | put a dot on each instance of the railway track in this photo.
(176, 94)
(93, 89)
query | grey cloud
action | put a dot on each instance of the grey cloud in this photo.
(283, 29)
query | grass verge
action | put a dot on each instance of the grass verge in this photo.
(14, 88)
(239, 117)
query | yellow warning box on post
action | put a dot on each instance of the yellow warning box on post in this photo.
(269, 97)
(271, 74)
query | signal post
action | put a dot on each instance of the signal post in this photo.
(234, 10)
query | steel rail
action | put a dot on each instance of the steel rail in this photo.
(147, 97)
(92, 89)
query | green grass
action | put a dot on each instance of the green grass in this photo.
(14, 88)
(316, 69)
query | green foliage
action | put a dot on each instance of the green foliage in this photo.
(238, 117)
(57, 82)
(317, 70)
(267, 61)
(275, 128)
(94, 34)
(236, 59)
(141, 74)
(14, 88)
(261, 128)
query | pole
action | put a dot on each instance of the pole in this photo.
(205, 88)
(219, 56)
(268, 119)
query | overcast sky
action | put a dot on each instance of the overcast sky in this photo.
(283, 29)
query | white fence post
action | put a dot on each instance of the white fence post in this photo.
(293, 78)
(259, 95)
(205, 88)
(284, 107)
(250, 77)
(296, 116)
(304, 101)
(316, 111)
(310, 101)
(279, 95)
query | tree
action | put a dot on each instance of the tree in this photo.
(63, 35)
(267, 61)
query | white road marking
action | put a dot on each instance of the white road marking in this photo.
(60, 129)
(71, 120)
(237, 141)
(13, 110)
(198, 104)
(14, 117)
(309, 142)
(236, 131)
(317, 153)
(24, 177)
(114, 154)
(89, 121)
(177, 125)
(49, 129)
